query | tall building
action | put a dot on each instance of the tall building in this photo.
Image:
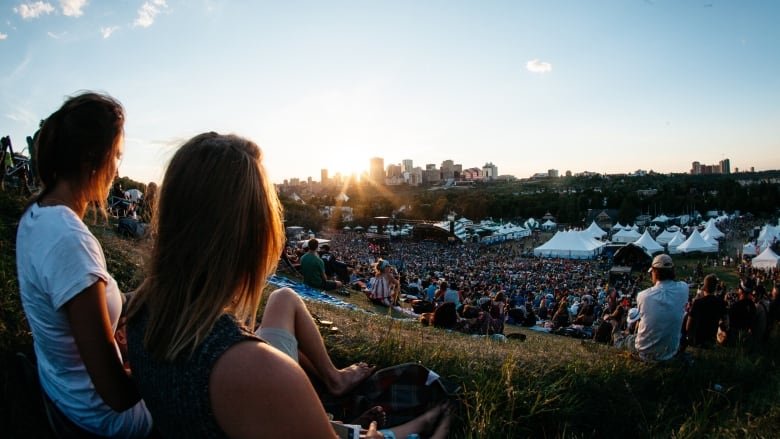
(490, 171)
(407, 165)
(447, 169)
(725, 166)
(323, 176)
(377, 170)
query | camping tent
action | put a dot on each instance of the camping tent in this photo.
(569, 245)
(648, 244)
(626, 235)
(766, 260)
(695, 243)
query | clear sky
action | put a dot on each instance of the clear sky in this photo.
(602, 85)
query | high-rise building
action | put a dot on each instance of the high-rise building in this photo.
(377, 170)
(323, 176)
(725, 166)
(407, 165)
(490, 171)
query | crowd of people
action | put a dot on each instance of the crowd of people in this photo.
(468, 286)
(120, 365)
(209, 371)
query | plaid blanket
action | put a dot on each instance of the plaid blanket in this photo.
(404, 391)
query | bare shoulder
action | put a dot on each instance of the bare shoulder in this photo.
(256, 390)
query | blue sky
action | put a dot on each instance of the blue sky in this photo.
(602, 86)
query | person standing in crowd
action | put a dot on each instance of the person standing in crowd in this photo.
(203, 372)
(72, 303)
(661, 309)
(313, 269)
(705, 314)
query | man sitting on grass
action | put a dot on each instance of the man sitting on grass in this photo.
(313, 269)
(661, 310)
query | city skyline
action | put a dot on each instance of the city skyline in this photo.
(607, 87)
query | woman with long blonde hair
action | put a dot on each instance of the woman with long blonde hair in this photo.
(201, 369)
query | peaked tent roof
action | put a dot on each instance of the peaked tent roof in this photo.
(695, 243)
(648, 244)
(767, 259)
(664, 237)
(626, 235)
(712, 230)
(595, 231)
(750, 249)
(767, 236)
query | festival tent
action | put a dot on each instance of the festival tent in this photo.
(549, 225)
(531, 223)
(661, 219)
(710, 240)
(618, 226)
(595, 231)
(665, 237)
(750, 249)
(569, 245)
(766, 260)
(695, 243)
(713, 231)
(677, 239)
(648, 244)
(767, 236)
(626, 235)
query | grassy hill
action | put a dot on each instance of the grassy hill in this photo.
(548, 386)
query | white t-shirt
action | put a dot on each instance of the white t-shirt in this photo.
(661, 310)
(57, 258)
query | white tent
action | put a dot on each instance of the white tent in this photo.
(712, 231)
(665, 237)
(531, 223)
(695, 243)
(549, 225)
(569, 245)
(766, 260)
(618, 226)
(648, 243)
(750, 249)
(710, 239)
(626, 235)
(660, 219)
(767, 236)
(595, 231)
(677, 239)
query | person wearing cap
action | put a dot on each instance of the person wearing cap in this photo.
(661, 310)
(313, 269)
(705, 314)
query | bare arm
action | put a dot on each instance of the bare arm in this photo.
(89, 321)
(256, 391)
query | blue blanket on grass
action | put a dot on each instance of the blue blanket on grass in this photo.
(310, 293)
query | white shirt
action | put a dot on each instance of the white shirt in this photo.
(661, 310)
(57, 258)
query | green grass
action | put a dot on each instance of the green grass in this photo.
(546, 387)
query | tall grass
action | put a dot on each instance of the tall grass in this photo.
(545, 387)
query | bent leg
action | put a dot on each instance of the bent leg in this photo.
(285, 311)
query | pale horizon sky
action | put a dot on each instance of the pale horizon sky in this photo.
(603, 86)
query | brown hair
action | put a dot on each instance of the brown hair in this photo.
(207, 262)
(77, 142)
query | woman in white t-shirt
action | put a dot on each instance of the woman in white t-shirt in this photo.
(71, 302)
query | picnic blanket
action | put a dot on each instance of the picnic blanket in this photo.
(310, 293)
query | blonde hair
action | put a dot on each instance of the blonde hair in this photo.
(218, 237)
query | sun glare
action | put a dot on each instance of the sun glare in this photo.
(347, 166)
